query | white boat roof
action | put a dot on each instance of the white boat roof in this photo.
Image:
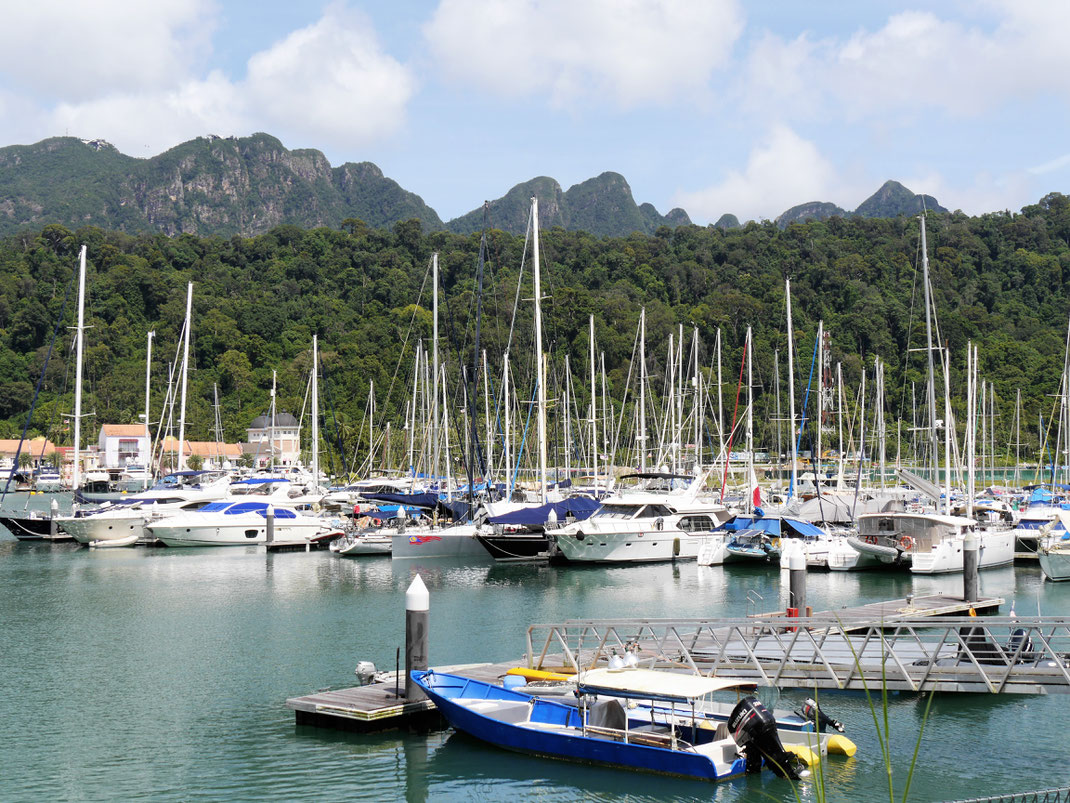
(655, 684)
(936, 518)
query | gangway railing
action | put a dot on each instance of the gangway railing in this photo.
(998, 655)
(1040, 796)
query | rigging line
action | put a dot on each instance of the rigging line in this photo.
(731, 436)
(524, 439)
(806, 402)
(37, 391)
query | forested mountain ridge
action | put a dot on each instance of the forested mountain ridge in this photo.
(244, 186)
(1001, 280)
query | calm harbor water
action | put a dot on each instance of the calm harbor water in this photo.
(155, 674)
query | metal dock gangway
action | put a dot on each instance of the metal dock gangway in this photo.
(999, 655)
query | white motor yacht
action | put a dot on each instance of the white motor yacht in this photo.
(661, 521)
(125, 517)
(234, 522)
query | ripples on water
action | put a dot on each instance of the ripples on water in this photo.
(162, 675)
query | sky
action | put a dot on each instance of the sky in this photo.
(715, 106)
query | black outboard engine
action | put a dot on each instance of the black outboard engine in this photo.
(821, 720)
(754, 729)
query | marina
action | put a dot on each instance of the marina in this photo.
(242, 633)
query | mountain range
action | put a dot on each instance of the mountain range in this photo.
(226, 186)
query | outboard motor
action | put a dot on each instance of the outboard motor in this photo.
(365, 672)
(754, 729)
(811, 712)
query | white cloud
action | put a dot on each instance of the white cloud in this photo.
(73, 51)
(782, 170)
(918, 62)
(330, 80)
(329, 83)
(632, 51)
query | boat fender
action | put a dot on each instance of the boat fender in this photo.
(676, 547)
(659, 523)
(906, 543)
(804, 753)
(841, 746)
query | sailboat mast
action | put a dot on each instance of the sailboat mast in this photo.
(185, 376)
(540, 362)
(791, 391)
(76, 476)
(750, 417)
(315, 412)
(642, 390)
(929, 350)
(434, 364)
(271, 425)
(148, 375)
(594, 412)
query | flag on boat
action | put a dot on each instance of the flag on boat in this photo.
(756, 492)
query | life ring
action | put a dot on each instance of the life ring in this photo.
(377, 522)
(906, 543)
(659, 523)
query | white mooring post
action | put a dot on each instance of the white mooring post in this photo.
(53, 527)
(417, 614)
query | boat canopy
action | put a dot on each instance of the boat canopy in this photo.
(774, 526)
(653, 684)
(578, 507)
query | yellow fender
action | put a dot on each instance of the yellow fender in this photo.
(803, 752)
(841, 745)
(538, 674)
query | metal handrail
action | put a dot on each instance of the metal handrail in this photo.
(947, 654)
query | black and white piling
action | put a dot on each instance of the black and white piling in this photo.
(417, 615)
(796, 577)
(971, 560)
(53, 525)
(269, 517)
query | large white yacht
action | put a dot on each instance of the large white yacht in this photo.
(122, 518)
(664, 519)
(233, 522)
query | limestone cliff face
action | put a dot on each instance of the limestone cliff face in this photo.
(209, 185)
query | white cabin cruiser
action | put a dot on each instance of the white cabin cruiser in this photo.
(662, 521)
(234, 522)
(125, 517)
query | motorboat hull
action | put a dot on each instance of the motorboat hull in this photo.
(636, 547)
(28, 528)
(516, 547)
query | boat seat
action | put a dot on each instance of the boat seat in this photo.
(608, 714)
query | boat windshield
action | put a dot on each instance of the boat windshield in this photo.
(617, 511)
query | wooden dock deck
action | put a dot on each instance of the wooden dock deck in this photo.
(378, 707)
(299, 545)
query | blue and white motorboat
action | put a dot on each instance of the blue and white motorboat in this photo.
(235, 522)
(671, 738)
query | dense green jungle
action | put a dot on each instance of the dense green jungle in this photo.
(1000, 279)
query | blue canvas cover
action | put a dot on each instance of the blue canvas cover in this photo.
(579, 507)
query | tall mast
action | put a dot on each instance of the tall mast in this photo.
(148, 374)
(315, 412)
(642, 390)
(76, 477)
(271, 424)
(434, 364)
(594, 412)
(506, 406)
(540, 362)
(929, 349)
(750, 417)
(720, 403)
(791, 391)
(947, 432)
(820, 401)
(971, 425)
(698, 405)
(185, 372)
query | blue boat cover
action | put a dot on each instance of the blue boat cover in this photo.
(774, 526)
(579, 507)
